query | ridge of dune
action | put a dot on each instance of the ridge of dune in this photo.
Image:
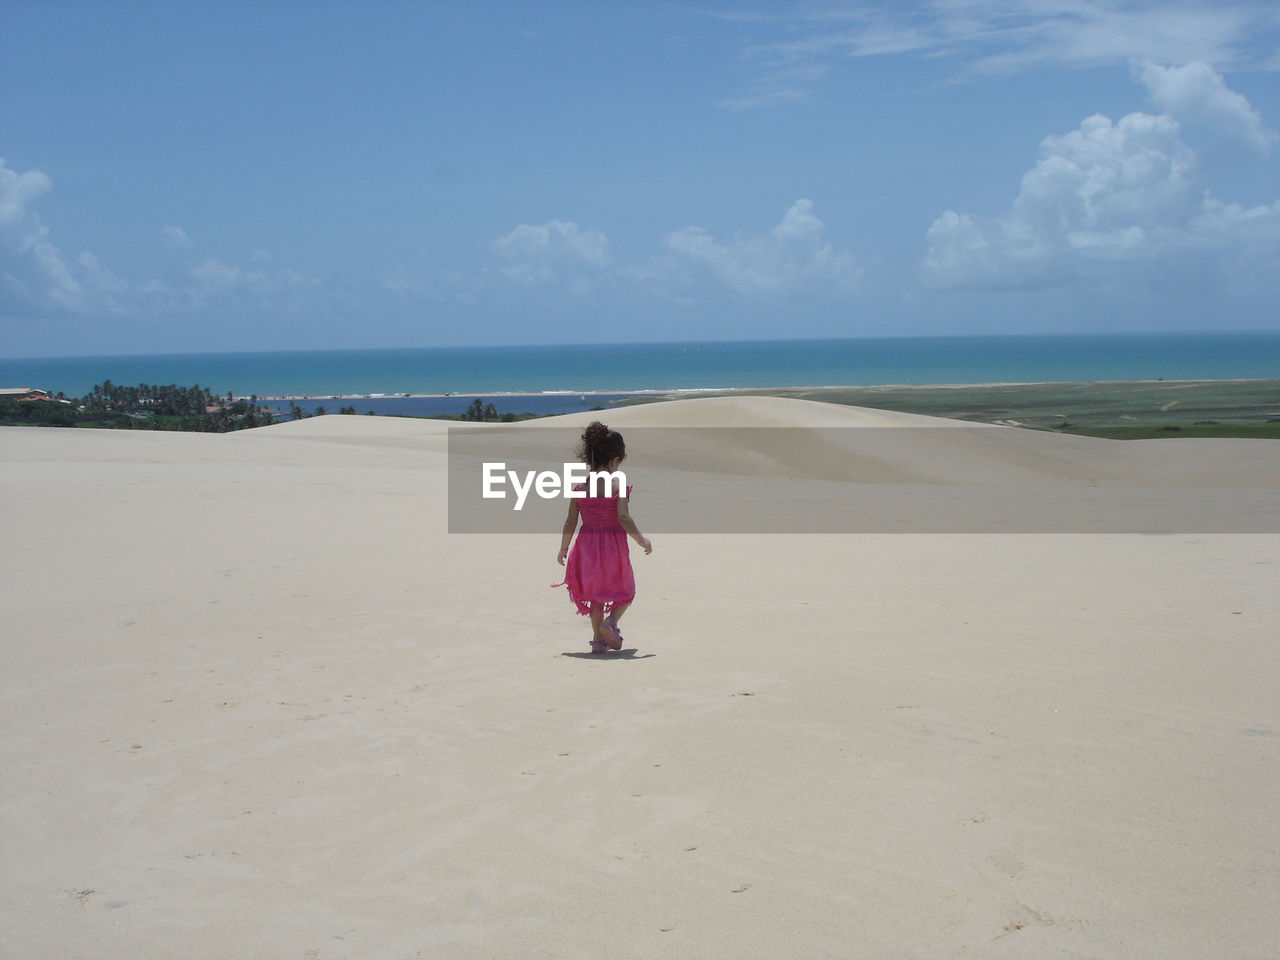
(808, 439)
(341, 425)
(751, 411)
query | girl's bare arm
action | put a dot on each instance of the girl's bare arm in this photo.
(629, 525)
(566, 534)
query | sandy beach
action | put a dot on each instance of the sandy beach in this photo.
(258, 702)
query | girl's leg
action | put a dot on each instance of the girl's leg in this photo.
(597, 636)
(605, 631)
(614, 615)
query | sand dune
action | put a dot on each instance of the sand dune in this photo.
(771, 465)
(801, 439)
(258, 702)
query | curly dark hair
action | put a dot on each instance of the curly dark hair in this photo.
(599, 445)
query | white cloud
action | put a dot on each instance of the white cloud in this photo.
(555, 251)
(102, 280)
(35, 277)
(985, 37)
(1106, 197)
(792, 259)
(1252, 236)
(1107, 177)
(787, 83)
(175, 238)
(422, 279)
(18, 191)
(1230, 222)
(212, 277)
(405, 282)
(1088, 34)
(214, 285)
(1196, 94)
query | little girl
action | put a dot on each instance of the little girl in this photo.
(598, 574)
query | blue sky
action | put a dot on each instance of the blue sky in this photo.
(254, 176)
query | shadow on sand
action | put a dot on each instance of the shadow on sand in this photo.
(628, 654)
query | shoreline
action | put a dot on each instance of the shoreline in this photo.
(688, 368)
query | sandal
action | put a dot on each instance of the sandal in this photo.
(612, 636)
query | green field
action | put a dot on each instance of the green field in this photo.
(1126, 410)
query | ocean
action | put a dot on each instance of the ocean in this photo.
(559, 376)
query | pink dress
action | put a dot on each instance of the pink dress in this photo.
(598, 569)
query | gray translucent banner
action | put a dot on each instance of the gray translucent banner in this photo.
(966, 478)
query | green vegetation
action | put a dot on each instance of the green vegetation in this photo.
(297, 413)
(481, 412)
(477, 412)
(36, 413)
(144, 407)
(1256, 431)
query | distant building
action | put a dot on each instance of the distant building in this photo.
(24, 393)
